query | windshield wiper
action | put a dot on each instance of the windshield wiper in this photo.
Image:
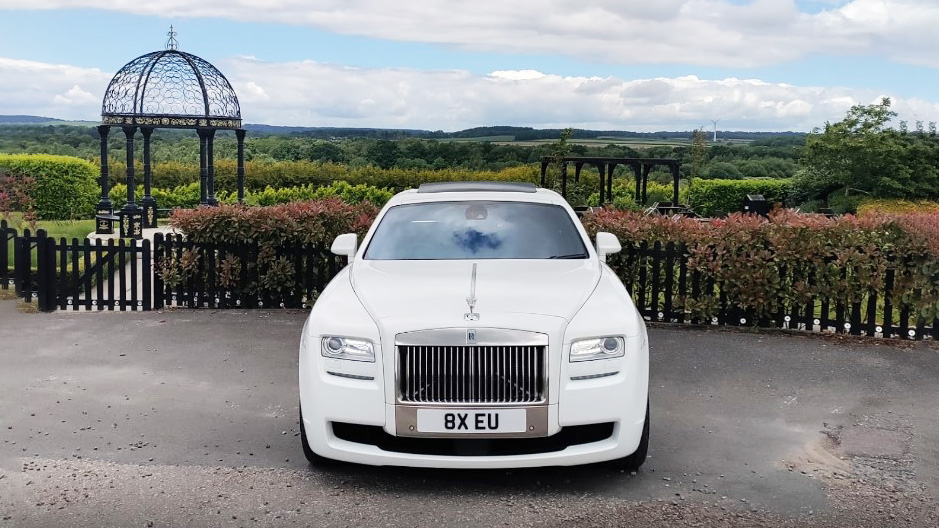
(571, 256)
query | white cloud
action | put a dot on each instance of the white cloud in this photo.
(75, 96)
(51, 90)
(699, 32)
(309, 93)
(316, 94)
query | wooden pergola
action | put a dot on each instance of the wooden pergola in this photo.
(641, 168)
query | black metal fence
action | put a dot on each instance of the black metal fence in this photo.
(664, 289)
(174, 272)
(7, 248)
(239, 275)
(78, 274)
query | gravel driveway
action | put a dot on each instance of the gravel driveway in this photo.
(189, 418)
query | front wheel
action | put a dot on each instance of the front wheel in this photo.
(635, 460)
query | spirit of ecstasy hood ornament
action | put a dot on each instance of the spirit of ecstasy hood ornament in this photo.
(471, 300)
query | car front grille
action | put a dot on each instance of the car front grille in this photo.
(471, 374)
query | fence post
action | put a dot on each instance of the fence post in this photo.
(45, 272)
(4, 255)
(19, 262)
(146, 269)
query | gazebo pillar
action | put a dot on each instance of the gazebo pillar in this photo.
(148, 202)
(240, 136)
(563, 178)
(637, 172)
(131, 214)
(203, 169)
(609, 181)
(210, 167)
(646, 169)
(103, 226)
(676, 176)
(601, 168)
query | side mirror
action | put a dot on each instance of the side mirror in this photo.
(607, 244)
(346, 244)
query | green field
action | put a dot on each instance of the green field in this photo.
(68, 229)
(600, 142)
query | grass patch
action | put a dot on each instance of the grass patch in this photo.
(68, 229)
(29, 308)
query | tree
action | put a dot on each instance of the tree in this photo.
(861, 154)
(722, 170)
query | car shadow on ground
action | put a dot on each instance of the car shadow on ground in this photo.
(495, 482)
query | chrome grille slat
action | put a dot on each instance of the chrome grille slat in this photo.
(471, 374)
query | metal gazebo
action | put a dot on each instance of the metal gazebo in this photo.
(165, 89)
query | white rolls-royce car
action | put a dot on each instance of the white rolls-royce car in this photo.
(475, 326)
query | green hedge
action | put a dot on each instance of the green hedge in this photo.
(188, 196)
(58, 187)
(790, 260)
(712, 198)
(283, 174)
(624, 192)
(271, 273)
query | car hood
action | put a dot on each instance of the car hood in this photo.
(436, 291)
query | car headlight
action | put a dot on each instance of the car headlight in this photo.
(346, 348)
(598, 348)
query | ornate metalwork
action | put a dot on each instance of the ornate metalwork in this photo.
(172, 89)
(171, 43)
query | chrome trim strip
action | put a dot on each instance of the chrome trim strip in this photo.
(351, 376)
(484, 337)
(594, 376)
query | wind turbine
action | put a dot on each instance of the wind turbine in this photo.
(715, 129)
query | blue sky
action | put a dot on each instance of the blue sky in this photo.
(674, 64)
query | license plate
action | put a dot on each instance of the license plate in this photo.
(472, 421)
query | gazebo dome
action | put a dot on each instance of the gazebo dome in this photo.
(171, 89)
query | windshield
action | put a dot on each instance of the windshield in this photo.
(476, 230)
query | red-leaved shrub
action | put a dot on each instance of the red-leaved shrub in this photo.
(766, 267)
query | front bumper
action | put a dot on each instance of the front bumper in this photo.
(592, 420)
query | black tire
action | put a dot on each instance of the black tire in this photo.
(312, 458)
(634, 461)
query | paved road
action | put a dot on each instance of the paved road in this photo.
(189, 417)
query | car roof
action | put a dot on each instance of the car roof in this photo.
(472, 186)
(494, 191)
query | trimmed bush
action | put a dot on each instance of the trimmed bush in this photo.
(712, 198)
(270, 241)
(184, 196)
(886, 206)
(624, 192)
(300, 223)
(791, 259)
(187, 196)
(58, 187)
(283, 174)
(351, 194)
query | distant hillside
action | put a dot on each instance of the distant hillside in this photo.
(516, 133)
(337, 133)
(25, 120)
(509, 133)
